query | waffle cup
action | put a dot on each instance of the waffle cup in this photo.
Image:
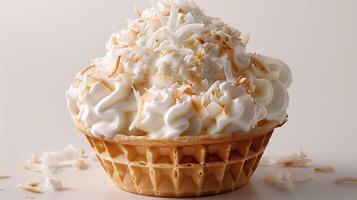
(187, 166)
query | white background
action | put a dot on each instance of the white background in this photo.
(44, 43)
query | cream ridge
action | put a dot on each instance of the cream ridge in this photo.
(174, 71)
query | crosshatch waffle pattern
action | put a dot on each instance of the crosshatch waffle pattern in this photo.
(181, 169)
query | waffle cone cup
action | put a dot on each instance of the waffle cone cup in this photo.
(187, 166)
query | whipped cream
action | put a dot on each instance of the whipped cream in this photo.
(174, 71)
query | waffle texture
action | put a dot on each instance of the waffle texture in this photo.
(184, 167)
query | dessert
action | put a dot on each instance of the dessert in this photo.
(177, 106)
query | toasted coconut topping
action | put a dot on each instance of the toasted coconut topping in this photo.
(346, 180)
(325, 169)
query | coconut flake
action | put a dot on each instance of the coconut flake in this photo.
(227, 68)
(213, 86)
(3, 175)
(29, 188)
(53, 160)
(324, 169)
(346, 180)
(173, 19)
(159, 14)
(32, 183)
(299, 159)
(172, 37)
(54, 183)
(79, 164)
(139, 105)
(280, 180)
(245, 39)
(189, 28)
(35, 158)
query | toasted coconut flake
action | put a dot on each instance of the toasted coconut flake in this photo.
(29, 188)
(189, 28)
(54, 183)
(116, 68)
(298, 159)
(346, 180)
(35, 158)
(213, 87)
(259, 64)
(139, 105)
(136, 11)
(79, 164)
(32, 183)
(87, 69)
(163, 80)
(3, 175)
(228, 73)
(246, 39)
(280, 180)
(324, 169)
(107, 84)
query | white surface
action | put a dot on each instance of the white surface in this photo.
(44, 43)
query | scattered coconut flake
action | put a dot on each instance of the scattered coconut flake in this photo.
(79, 164)
(35, 158)
(54, 183)
(29, 188)
(53, 160)
(346, 180)
(298, 159)
(3, 175)
(189, 28)
(324, 169)
(32, 183)
(280, 180)
(301, 177)
(33, 167)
